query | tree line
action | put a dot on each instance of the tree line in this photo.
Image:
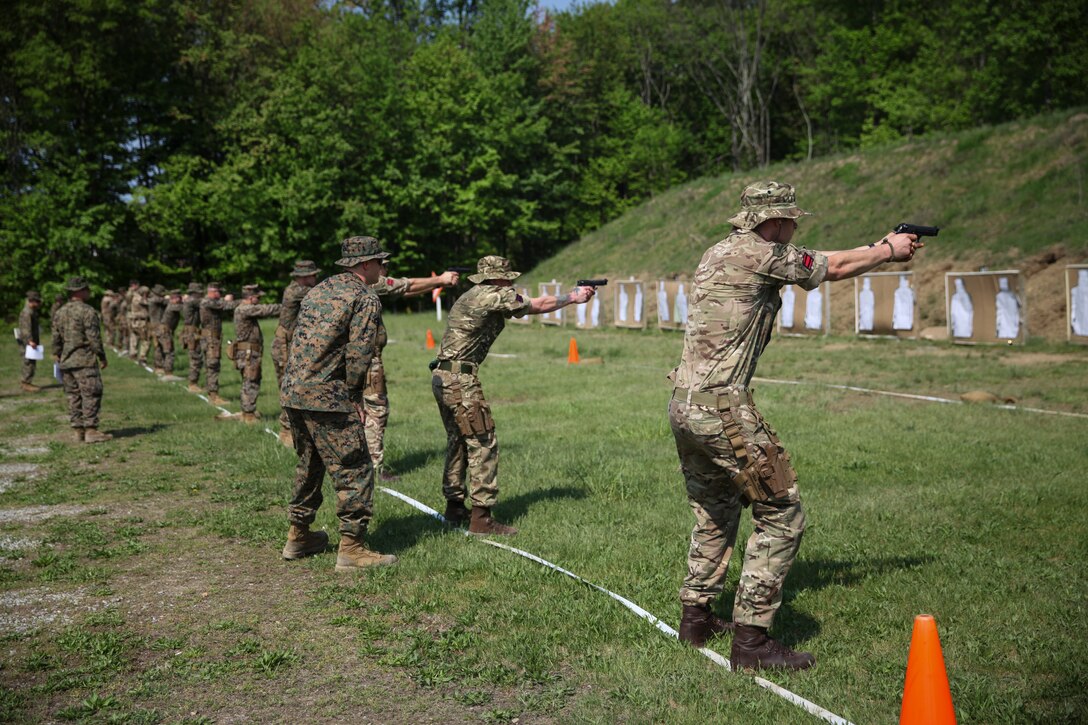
(223, 139)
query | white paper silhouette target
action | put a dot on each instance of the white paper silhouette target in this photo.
(986, 306)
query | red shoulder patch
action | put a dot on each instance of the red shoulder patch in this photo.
(389, 282)
(807, 260)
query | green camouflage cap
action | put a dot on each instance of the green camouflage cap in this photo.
(75, 284)
(34, 295)
(159, 289)
(493, 267)
(195, 288)
(355, 250)
(304, 268)
(765, 200)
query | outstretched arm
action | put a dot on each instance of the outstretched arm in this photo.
(849, 263)
(551, 303)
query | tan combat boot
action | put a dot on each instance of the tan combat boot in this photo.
(194, 388)
(77, 435)
(753, 649)
(302, 542)
(251, 418)
(353, 555)
(91, 435)
(482, 524)
(216, 398)
(29, 387)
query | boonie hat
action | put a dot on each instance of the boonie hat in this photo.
(195, 287)
(304, 268)
(493, 267)
(77, 283)
(34, 295)
(355, 250)
(159, 289)
(251, 289)
(765, 200)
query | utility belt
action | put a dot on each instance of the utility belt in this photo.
(455, 366)
(242, 351)
(764, 469)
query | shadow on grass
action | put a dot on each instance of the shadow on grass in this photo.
(517, 506)
(137, 431)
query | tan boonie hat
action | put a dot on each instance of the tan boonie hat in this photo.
(249, 290)
(304, 268)
(159, 289)
(76, 283)
(765, 200)
(355, 250)
(195, 287)
(493, 267)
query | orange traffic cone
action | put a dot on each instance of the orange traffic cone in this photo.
(430, 340)
(926, 697)
(572, 353)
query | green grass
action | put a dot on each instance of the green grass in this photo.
(973, 514)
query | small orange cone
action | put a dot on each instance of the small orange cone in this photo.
(572, 353)
(926, 697)
(430, 340)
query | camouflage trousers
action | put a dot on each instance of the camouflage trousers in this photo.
(165, 341)
(116, 336)
(138, 340)
(29, 366)
(376, 406)
(709, 464)
(332, 442)
(471, 446)
(248, 363)
(210, 348)
(83, 386)
(280, 346)
(196, 358)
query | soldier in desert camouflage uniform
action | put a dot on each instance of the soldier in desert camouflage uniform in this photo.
(730, 456)
(156, 307)
(212, 309)
(109, 315)
(303, 278)
(171, 316)
(138, 325)
(249, 348)
(376, 395)
(190, 333)
(77, 349)
(474, 322)
(29, 333)
(322, 392)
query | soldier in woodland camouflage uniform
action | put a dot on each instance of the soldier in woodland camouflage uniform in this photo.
(156, 306)
(730, 456)
(304, 277)
(322, 392)
(474, 323)
(249, 348)
(171, 316)
(212, 308)
(77, 348)
(138, 324)
(29, 333)
(190, 333)
(376, 395)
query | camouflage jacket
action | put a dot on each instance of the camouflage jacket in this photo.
(332, 346)
(388, 288)
(171, 315)
(156, 305)
(211, 314)
(29, 326)
(292, 302)
(138, 307)
(190, 312)
(476, 319)
(109, 309)
(246, 328)
(732, 306)
(53, 310)
(77, 338)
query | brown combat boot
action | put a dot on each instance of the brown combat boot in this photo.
(456, 513)
(302, 542)
(91, 435)
(386, 477)
(251, 418)
(29, 387)
(482, 524)
(699, 624)
(216, 399)
(77, 435)
(353, 554)
(194, 388)
(753, 649)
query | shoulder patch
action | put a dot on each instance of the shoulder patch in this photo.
(389, 282)
(807, 260)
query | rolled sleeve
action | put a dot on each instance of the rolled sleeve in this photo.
(796, 265)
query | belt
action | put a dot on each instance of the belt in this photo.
(731, 397)
(454, 366)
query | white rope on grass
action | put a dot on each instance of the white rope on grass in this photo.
(710, 654)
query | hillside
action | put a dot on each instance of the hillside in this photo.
(1011, 196)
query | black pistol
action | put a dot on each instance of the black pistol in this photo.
(917, 230)
(592, 283)
(460, 270)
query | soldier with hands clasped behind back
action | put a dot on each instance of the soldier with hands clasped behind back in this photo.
(730, 456)
(77, 349)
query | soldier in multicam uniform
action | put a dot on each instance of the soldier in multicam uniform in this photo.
(171, 316)
(304, 277)
(474, 323)
(190, 333)
(29, 334)
(156, 306)
(127, 350)
(322, 392)
(77, 349)
(376, 394)
(212, 308)
(109, 315)
(730, 456)
(138, 325)
(249, 348)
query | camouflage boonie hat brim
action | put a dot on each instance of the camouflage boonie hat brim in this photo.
(75, 284)
(304, 268)
(766, 200)
(173, 292)
(195, 287)
(355, 250)
(159, 289)
(250, 290)
(493, 267)
(34, 296)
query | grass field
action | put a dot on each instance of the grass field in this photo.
(140, 580)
